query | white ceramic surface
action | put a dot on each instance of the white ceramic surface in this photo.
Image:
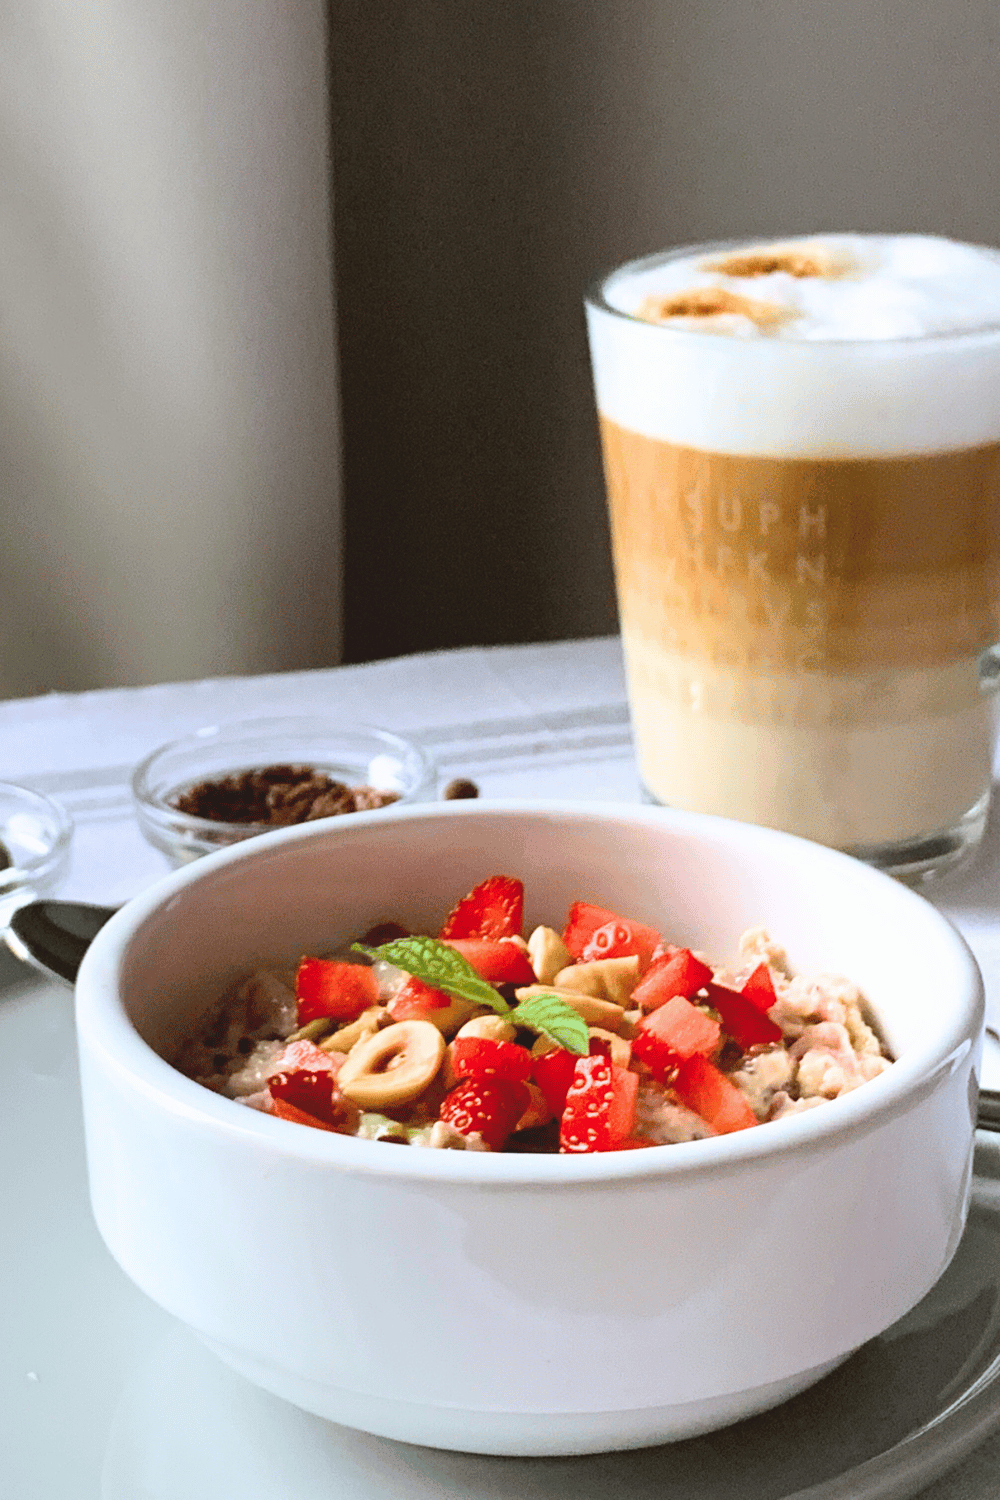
(106, 1397)
(517, 1304)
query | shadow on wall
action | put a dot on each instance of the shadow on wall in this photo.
(490, 160)
(168, 441)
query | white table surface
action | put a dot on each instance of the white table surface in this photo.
(537, 721)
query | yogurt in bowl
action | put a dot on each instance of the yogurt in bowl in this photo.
(529, 1303)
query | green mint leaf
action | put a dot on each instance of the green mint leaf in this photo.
(556, 1020)
(439, 966)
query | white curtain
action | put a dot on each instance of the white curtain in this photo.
(169, 501)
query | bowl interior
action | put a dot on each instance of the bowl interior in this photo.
(701, 881)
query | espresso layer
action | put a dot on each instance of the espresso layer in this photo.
(808, 565)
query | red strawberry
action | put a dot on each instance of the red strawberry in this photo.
(491, 1106)
(655, 1054)
(304, 1056)
(621, 1113)
(326, 988)
(286, 1111)
(760, 988)
(682, 1027)
(312, 1093)
(483, 1057)
(496, 961)
(702, 1087)
(415, 999)
(680, 973)
(586, 921)
(745, 1023)
(494, 909)
(621, 939)
(584, 1125)
(553, 1072)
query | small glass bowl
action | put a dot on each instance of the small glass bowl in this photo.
(360, 756)
(35, 837)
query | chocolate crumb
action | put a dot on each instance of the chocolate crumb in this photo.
(460, 789)
(277, 796)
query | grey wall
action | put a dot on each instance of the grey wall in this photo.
(168, 401)
(169, 477)
(490, 159)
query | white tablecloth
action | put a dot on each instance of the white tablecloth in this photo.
(534, 721)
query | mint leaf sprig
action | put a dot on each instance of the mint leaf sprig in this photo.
(443, 968)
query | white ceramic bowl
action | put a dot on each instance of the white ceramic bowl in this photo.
(529, 1304)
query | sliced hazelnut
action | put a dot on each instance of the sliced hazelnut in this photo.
(393, 1067)
(450, 1018)
(605, 978)
(494, 1028)
(537, 1112)
(548, 954)
(595, 1012)
(348, 1036)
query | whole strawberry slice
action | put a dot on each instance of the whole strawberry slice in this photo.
(494, 909)
(491, 1106)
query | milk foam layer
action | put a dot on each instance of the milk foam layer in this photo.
(896, 353)
(874, 287)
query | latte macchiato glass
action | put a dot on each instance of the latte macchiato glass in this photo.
(802, 453)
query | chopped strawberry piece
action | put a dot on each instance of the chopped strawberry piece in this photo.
(682, 1027)
(679, 973)
(286, 1111)
(495, 961)
(305, 1056)
(483, 1057)
(494, 909)
(312, 1093)
(491, 1106)
(621, 939)
(326, 988)
(553, 1072)
(703, 1088)
(657, 1055)
(741, 1019)
(621, 1115)
(586, 921)
(415, 1000)
(760, 988)
(586, 1113)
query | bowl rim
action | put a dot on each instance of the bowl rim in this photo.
(150, 805)
(60, 837)
(107, 1035)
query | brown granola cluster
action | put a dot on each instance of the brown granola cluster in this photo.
(277, 796)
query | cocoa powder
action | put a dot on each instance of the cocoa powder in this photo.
(277, 796)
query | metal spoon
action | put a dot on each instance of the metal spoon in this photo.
(53, 936)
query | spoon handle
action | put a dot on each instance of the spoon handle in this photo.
(53, 936)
